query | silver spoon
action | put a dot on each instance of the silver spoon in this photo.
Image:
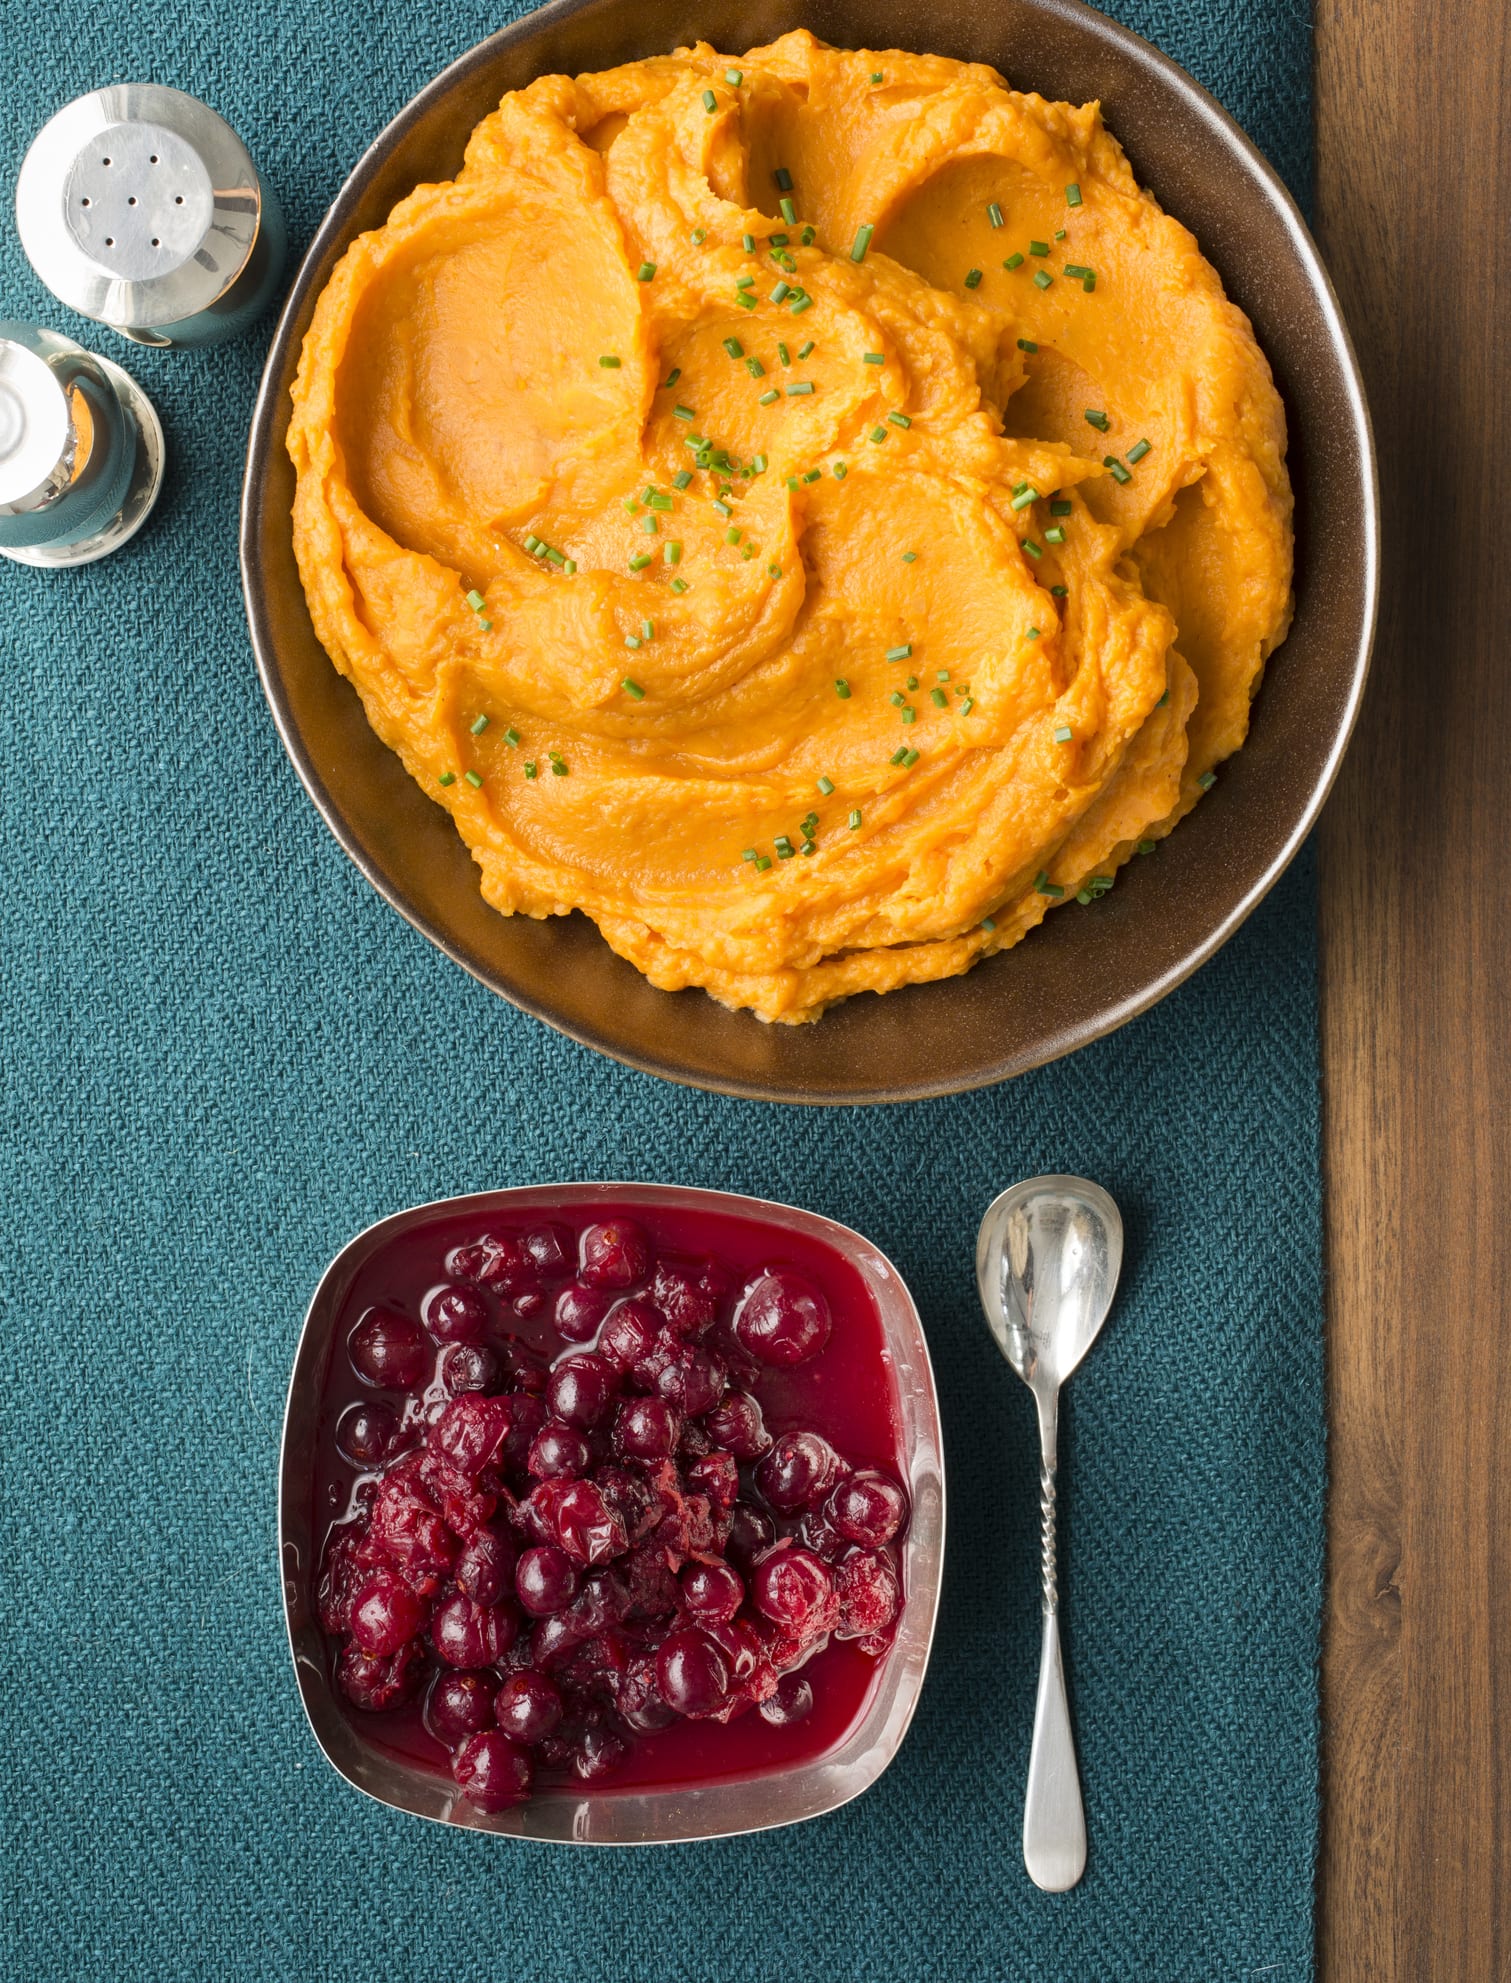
(1047, 1260)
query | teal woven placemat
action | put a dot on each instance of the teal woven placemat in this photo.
(223, 1054)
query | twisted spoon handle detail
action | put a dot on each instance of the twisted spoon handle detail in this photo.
(1054, 1822)
(1047, 1538)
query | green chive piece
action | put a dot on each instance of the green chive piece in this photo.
(899, 419)
(973, 279)
(698, 236)
(447, 778)
(710, 102)
(475, 601)
(941, 674)
(1064, 734)
(754, 366)
(912, 681)
(1055, 534)
(877, 77)
(1033, 633)
(1096, 418)
(862, 242)
(807, 237)
(734, 77)
(1014, 261)
(792, 483)
(910, 557)
(842, 689)
(773, 571)
(1034, 550)
(511, 737)
(897, 699)
(640, 563)
(909, 759)
(671, 378)
(1089, 284)
(1116, 469)
(1027, 344)
(682, 477)
(610, 363)
(898, 755)
(1147, 846)
(632, 688)
(988, 925)
(804, 349)
(783, 179)
(1072, 195)
(672, 552)
(769, 398)
(1077, 271)
(744, 282)
(570, 567)
(532, 544)
(854, 820)
(721, 508)
(903, 653)
(840, 471)
(994, 214)
(939, 699)
(784, 354)
(532, 769)
(1059, 233)
(1038, 247)
(748, 551)
(1042, 280)
(874, 358)
(632, 640)
(814, 475)
(826, 786)
(734, 347)
(745, 300)
(647, 629)
(789, 212)
(732, 535)
(1138, 451)
(778, 241)
(763, 861)
(747, 853)
(1060, 591)
(1061, 506)
(649, 525)
(747, 242)
(683, 413)
(1025, 497)
(1163, 700)
(473, 780)
(784, 847)
(1207, 780)
(646, 272)
(1045, 886)
(803, 303)
(799, 387)
(680, 585)
(877, 436)
(478, 725)
(968, 705)
(778, 294)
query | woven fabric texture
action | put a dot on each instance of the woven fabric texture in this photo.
(223, 1054)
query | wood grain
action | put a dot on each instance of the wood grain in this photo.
(1414, 215)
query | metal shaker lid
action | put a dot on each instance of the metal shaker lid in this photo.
(138, 206)
(36, 433)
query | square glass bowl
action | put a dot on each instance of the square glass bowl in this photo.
(634, 1816)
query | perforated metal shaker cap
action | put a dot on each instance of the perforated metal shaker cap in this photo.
(140, 207)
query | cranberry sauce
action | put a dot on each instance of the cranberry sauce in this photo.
(611, 1497)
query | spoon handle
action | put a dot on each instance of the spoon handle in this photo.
(1054, 1822)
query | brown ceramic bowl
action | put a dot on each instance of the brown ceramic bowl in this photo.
(1079, 975)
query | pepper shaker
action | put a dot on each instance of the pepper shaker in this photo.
(138, 206)
(81, 450)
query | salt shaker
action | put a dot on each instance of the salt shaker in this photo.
(138, 206)
(81, 450)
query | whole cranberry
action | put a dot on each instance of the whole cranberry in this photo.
(465, 1263)
(630, 1334)
(455, 1315)
(687, 1296)
(638, 1702)
(381, 1683)
(599, 1750)
(530, 1304)
(549, 1248)
(365, 1432)
(716, 1475)
(692, 1673)
(469, 1635)
(870, 1595)
(782, 1319)
(736, 1424)
(818, 1533)
(493, 1771)
(528, 1706)
(792, 1587)
(791, 1702)
(614, 1254)
(741, 1648)
(712, 1592)
(385, 1614)
(751, 1533)
(581, 1389)
(587, 1526)
(580, 1311)
(470, 1432)
(458, 1705)
(506, 1266)
(389, 1350)
(647, 1429)
(485, 1569)
(559, 1449)
(545, 1580)
(471, 1367)
(868, 1508)
(800, 1468)
(693, 1381)
(526, 1416)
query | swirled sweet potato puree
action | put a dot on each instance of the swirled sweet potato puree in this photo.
(809, 510)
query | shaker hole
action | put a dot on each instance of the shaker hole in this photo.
(155, 242)
(153, 159)
(178, 199)
(109, 240)
(131, 202)
(85, 201)
(104, 161)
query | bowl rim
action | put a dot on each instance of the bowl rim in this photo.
(1221, 129)
(900, 1677)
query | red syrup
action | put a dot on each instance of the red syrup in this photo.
(581, 1555)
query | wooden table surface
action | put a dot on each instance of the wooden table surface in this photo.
(1414, 215)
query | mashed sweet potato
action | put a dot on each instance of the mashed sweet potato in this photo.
(808, 510)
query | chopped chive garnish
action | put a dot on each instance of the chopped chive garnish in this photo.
(994, 214)
(478, 725)
(777, 241)
(1055, 534)
(877, 436)
(1138, 451)
(769, 398)
(1059, 233)
(744, 282)
(721, 508)
(671, 378)
(762, 862)
(734, 77)
(1038, 247)
(1042, 279)
(532, 544)
(473, 780)
(745, 300)
(840, 471)
(854, 820)
(806, 237)
(747, 853)
(1089, 284)
(875, 358)
(826, 786)
(649, 525)
(1060, 591)
(734, 347)
(683, 413)
(898, 756)
(784, 847)
(1034, 551)
(877, 77)
(1064, 734)
(899, 419)
(1033, 633)
(897, 698)
(1014, 261)
(941, 674)
(755, 368)
(1072, 195)
(647, 629)
(862, 242)
(799, 387)
(1207, 780)
(842, 689)
(1027, 344)
(804, 349)
(1061, 507)
(1025, 496)
(682, 477)
(792, 483)
(640, 563)
(570, 567)
(912, 681)
(679, 585)
(783, 179)
(475, 601)
(789, 212)
(909, 759)
(698, 236)
(748, 551)
(773, 571)
(910, 557)
(632, 640)
(1147, 846)
(973, 278)
(609, 362)
(903, 653)
(511, 737)
(1045, 886)
(747, 242)
(646, 272)
(1078, 271)
(447, 778)
(1096, 418)
(968, 705)
(632, 688)
(1163, 700)
(989, 926)
(733, 535)
(813, 475)
(939, 699)
(710, 102)
(797, 308)
(1115, 468)
(532, 769)
(780, 293)
(784, 354)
